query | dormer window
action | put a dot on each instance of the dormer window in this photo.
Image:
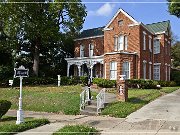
(120, 22)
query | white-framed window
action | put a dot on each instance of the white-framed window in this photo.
(156, 46)
(81, 50)
(115, 43)
(156, 72)
(113, 70)
(144, 69)
(126, 69)
(121, 43)
(91, 50)
(169, 73)
(144, 40)
(150, 43)
(125, 42)
(150, 68)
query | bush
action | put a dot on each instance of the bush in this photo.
(4, 107)
(144, 84)
(104, 83)
(175, 76)
(167, 83)
(84, 80)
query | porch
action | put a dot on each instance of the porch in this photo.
(85, 66)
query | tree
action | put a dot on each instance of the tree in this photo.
(40, 27)
(175, 53)
(174, 7)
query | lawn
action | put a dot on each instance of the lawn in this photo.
(77, 130)
(137, 99)
(64, 99)
(8, 125)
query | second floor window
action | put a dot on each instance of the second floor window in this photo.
(144, 41)
(91, 50)
(150, 43)
(120, 43)
(156, 46)
(81, 50)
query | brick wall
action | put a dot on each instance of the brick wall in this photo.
(98, 46)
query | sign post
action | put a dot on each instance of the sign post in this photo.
(59, 80)
(20, 72)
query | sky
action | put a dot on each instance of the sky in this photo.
(100, 12)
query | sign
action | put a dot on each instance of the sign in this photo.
(21, 72)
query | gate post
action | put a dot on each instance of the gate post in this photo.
(122, 89)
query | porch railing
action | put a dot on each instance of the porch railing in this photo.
(100, 100)
(84, 98)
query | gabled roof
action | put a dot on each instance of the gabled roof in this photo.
(125, 13)
(91, 32)
(158, 27)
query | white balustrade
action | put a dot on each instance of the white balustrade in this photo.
(100, 100)
(84, 98)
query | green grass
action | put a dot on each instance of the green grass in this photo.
(8, 125)
(64, 99)
(76, 130)
(136, 99)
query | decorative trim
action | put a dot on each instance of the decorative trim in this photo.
(144, 61)
(134, 53)
(166, 64)
(134, 24)
(150, 36)
(122, 11)
(88, 37)
(169, 65)
(144, 33)
(107, 29)
(150, 62)
(163, 32)
(157, 63)
(157, 38)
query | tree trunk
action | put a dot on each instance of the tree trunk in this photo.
(36, 59)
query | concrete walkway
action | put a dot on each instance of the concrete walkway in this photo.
(160, 117)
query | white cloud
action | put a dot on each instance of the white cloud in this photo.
(105, 10)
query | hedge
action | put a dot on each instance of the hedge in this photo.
(4, 107)
(104, 82)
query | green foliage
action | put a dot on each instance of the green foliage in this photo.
(5, 72)
(41, 28)
(8, 128)
(149, 84)
(175, 51)
(104, 82)
(174, 7)
(4, 107)
(76, 129)
(175, 76)
(84, 80)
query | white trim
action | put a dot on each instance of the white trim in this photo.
(150, 62)
(107, 29)
(144, 33)
(134, 24)
(165, 39)
(157, 63)
(104, 70)
(169, 65)
(166, 64)
(120, 53)
(150, 36)
(150, 70)
(168, 42)
(157, 38)
(163, 32)
(125, 13)
(88, 37)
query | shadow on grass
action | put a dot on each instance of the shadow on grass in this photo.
(7, 118)
(135, 100)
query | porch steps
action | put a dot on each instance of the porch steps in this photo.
(90, 110)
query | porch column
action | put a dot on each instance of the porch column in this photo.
(68, 66)
(79, 70)
(91, 72)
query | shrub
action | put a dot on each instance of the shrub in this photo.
(175, 76)
(4, 107)
(104, 83)
(84, 80)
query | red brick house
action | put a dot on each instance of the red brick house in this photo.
(123, 47)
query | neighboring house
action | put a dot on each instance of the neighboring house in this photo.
(123, 47)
